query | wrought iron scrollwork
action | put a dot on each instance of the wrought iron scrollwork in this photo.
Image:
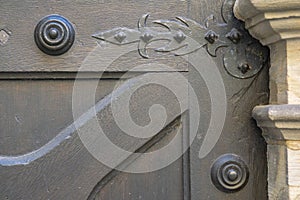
(243, 58)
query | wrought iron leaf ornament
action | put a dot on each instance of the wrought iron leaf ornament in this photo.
(243, 57)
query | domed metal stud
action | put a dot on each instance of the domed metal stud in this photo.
(54, 35)
(229, 173)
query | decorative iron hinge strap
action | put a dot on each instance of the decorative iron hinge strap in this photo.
(243, 57)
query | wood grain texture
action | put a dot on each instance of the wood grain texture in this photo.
(69, 171)
(37, 88)
(153, 185)
(19, 18)
(240, 134)
(30, 111)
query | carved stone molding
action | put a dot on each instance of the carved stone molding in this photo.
(270, 21)
(281, 130)
(276, 23)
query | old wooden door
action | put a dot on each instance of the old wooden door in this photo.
(100, 100)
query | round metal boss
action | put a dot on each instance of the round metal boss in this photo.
(229, 173)
(54, 35)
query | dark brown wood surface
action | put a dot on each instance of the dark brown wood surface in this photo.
(19, 18)
(36, 104)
